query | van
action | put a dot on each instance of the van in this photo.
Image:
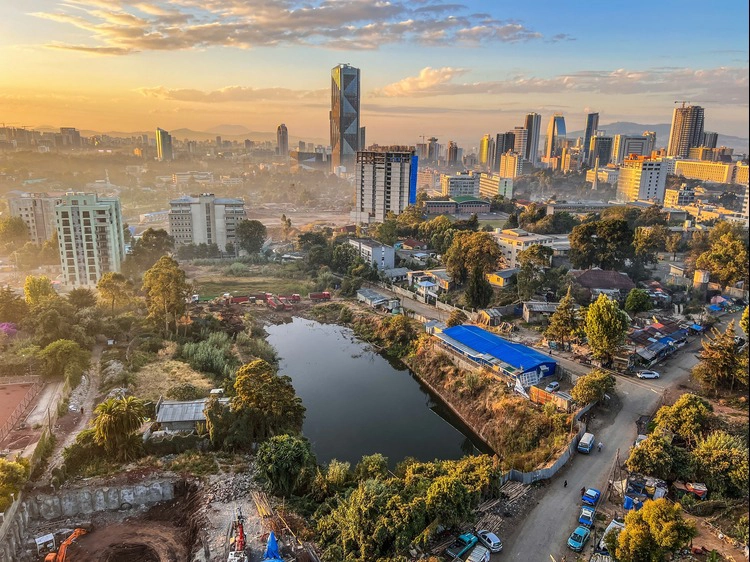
(586, 443)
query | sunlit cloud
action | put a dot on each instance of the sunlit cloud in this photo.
(126, 26)
(731, 82)
(232, 94)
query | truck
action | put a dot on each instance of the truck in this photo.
(274, 303)
(291, 298)
(479, 554)
(463, 544)
(320, 297)
(62, 553)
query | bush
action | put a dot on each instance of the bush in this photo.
(194, 463)
(81, 453)
(174, 444)
(13, 476)
(184, 391)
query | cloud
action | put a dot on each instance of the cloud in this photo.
(730, 81)
(129, 26)
(232, 94)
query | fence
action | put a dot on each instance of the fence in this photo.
(36, 385)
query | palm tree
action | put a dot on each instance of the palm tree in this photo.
(117, 419)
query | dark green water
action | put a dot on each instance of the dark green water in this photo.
(359, 404)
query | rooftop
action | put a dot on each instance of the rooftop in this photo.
(183, 411)
(602, 279)
(468, 199)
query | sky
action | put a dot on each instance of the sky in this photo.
(428, 67)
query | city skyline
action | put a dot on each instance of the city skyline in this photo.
(462, 70)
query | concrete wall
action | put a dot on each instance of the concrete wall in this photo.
(72, 503)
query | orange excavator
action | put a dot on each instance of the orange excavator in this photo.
(62, 553)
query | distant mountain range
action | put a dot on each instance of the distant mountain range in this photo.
(739, 144)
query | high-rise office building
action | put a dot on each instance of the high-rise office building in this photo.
(651, 137)
(452, 153)
(520, 140)
(709, 140)
(600, 146)
(460, 184)
(503, 143)
(555, 136)
(532, 125)
(592, 124)
(205, 219)
(344, 116)
(37, 210)
(90, 237)
(511, 165)
(72, 137)
(642, 178)
(385, 182)
(687, 130)
(282, 141)
(486, 146)
(163, 145)
(626, 145)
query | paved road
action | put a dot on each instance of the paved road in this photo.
(546, 528)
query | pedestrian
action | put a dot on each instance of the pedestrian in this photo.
(81, 410)
(565, 484)
(600, 446)
(583, 491)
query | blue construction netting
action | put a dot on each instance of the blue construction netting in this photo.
(514, 354)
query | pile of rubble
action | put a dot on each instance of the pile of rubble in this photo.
(230, 488)
(493, 514)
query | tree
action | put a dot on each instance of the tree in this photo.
(721, 461)
(82, 297)
(653, 531)
(343, 257)
(592, 387)
(286, 226)
(37, 289)
(307, 240)
(563, 323)
(113, 288)
(61, 355)
(653, 457)
(166, 292)
(251, 235)
(745, 322)
(371, 466)
(689, 417)
(448, 501)
(456, 318)
(638, 301)
(726, 260)
(115, 423)
(720, 365)
(607, 244)
(13, 307)
(146, 251)
(13, 233)
(512, 221)
(479, 292)
(532, 261)
(606, 326)
(386, 232)
(471, 250)
(647, 241)
(674, 244)
(282, 460)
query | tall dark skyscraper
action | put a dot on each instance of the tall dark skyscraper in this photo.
(282, 141)
(345, 126)
(592, 124)
(452, 153)
(163, 145)
(533, 126)
(555, 136)
(503, 143)
(687, 130)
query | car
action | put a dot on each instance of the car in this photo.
(578, 538)
(490, 540)
(647, 375)
(586, 518)
(552, 387)
(591, 496)
(640, 439)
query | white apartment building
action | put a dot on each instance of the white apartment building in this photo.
(385, 181)
(90, 237)
(460, 184)
(491, 185)
(38, 212)
(679, 197)
(374, 253)
(511, 165)
(515, 240)
(641, 178)
(205, 219)
(605, 174)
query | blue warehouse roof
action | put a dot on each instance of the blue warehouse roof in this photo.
(484, 346)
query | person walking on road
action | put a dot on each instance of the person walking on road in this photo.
(565, 484)
(583, 491)
(600, 446)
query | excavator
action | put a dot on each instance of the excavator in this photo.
(238, 540)
(62, 553)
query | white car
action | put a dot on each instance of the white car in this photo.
(647, 375)
(490, 540)
(552, 387)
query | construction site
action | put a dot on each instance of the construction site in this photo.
(141, 516)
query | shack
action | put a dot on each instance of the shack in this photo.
(371, 298)
(179, 415)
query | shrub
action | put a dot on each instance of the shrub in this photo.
(184, 391)
(81, 453)
(194, 463)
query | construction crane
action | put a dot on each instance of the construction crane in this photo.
(62, 553)
(683, 102)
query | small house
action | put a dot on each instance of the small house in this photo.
(537, 311)
(182, 415)
(489, 317)
(501, 278)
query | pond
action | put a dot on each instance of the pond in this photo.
(358, 403)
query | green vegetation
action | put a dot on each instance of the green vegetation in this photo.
(115, 423)
(720, 366)
(145, 252)
(13, 476)
(638, 301)
(166, 291)
(36, 289)
(605, 327)
(564, 322)
(114, 288)
(478, 293)
(212, 355)
(283, 461)
(469, 251)
(592, 387)
(726, 260)
(251, 235)
(689, 418)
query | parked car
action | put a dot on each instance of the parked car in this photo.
(479, 554)
(578, 538)
(490, 540)
(647, 375)
(554, 386)
(586, 443)
(591, 497)
(640, 439)
(463, 544)
(586, 518)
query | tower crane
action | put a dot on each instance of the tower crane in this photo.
(683, 102)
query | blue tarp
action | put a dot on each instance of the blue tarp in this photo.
(272, 550)
(697, 327)
(479, 341)
(714, 308)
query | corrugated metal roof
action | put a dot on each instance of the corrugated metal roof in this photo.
(487, 343)
(179, 411)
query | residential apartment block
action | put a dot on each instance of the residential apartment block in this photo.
(515, 240)
(90, 237)
(491, 185)
(38, 212)
(460, 184)
(205, 219)
(642, 178)
(385, 181)
(374, 253)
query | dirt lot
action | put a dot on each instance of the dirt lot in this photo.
(11, 395)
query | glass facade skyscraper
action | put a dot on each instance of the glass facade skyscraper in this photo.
(344, 116)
